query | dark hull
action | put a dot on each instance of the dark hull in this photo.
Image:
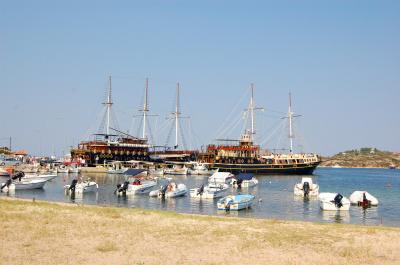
(268, 169)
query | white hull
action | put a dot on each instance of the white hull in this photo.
(180, 171)
(25, 185)
(326, 202)
(144, 188)
(313, 188)
(246, 183)
(357, 198)
(221, 178)
(83, 187)
(174, 192)
(209, 192)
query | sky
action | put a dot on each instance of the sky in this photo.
(339, 59)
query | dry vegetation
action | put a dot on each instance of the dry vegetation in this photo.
(51, 233)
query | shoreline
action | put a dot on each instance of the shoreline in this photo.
(96, 234)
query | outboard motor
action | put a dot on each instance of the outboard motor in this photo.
(228, 204)
(118, 187)
(306, 188)
(338, 200)
(7, 184)
(365, 202)
(124, 187)
(73, 185)
(200, 191)
(18, 175)
(163, 190)
(239, 183)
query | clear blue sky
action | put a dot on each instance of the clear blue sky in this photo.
(340, 59)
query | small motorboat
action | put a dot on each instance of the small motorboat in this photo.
(235, 202)
(81, 187)
(116, 168)
(18, 182)
(221, 178)
(306, 188)
(134, 184)
(210, 191)
(176, 170)
(171, 190)
(244, 180)
(333, 202)
(363, 198)
(200, 169)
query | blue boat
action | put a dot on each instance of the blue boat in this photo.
(236, 202)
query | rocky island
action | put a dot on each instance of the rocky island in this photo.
(364, 157)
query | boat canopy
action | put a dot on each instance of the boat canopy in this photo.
(245, 176)
(134, 171)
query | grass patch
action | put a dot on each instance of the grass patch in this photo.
(107, 246)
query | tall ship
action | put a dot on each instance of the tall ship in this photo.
(110, 144)
(243, 155)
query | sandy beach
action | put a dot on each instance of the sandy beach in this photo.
(56, 233)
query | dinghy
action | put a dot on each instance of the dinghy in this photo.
(235, 202)
(81, 187)
(210, 191)
(363, 198)
(306, 188)
(133, 184)
(333, 202)
(17, 182)
(244, 180)
(46, 177)
(171, 190)
(221, 178)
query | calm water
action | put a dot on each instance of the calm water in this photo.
(274, 196)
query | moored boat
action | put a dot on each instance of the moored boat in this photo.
(210, 191)
(363, 198)
(333, 202)
(306, 188)
(244, 180)
(81, 187)
(221, 178)
(171, 190)
(235, 202)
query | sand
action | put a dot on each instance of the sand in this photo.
(56, 233)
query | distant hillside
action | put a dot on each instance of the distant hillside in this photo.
(365, 157)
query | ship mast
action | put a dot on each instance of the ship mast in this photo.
(108, 104)
(145, 108)
(177, 114)
(290, 115)
(252, 108)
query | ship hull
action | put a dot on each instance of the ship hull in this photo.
(267, 169)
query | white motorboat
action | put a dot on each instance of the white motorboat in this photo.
(23, 184)
(244, 180)
(363, 198)
(171, 190)
(306, 188)
(176, 170)
(81, 187)
(333, 202)
(221, 178)
(136, 187)
(200, 169)
(210, 191)
(235, 202)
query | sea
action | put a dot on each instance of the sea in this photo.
(274, 196)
